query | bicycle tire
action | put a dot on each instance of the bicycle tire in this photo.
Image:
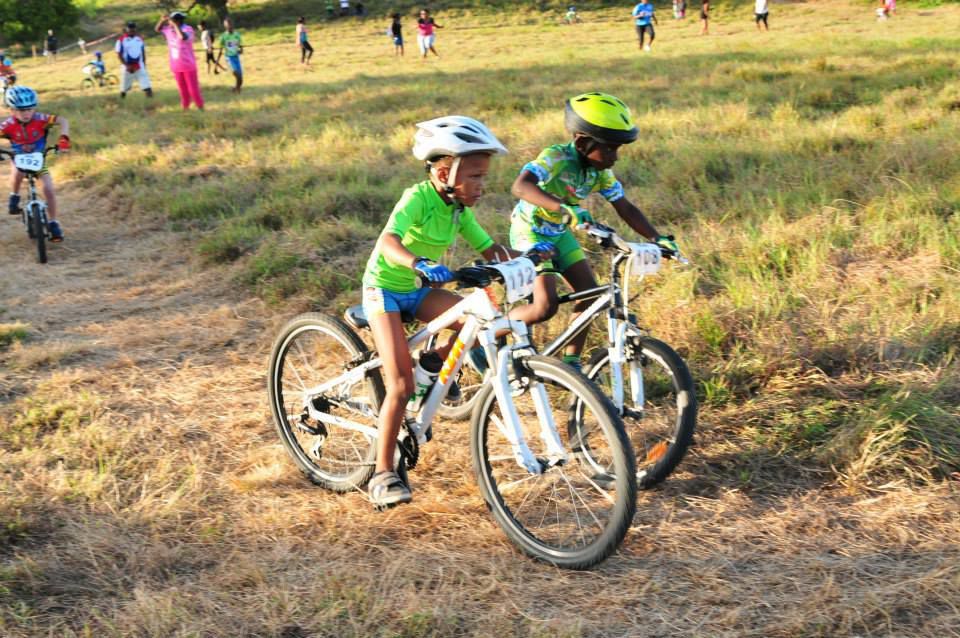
(660, 438)
(111, 80)
(320, 463)
(508, 498)
(86, 84)
(40, 236)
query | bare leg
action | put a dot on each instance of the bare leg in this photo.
(434, 305)
(544, 304)
(391, 343)
(580, 277)
(50, 196)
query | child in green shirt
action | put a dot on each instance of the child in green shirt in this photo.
(231, 44)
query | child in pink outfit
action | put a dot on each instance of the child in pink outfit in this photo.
(182, 62)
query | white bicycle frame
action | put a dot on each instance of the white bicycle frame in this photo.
(482, 321)
(619, 331)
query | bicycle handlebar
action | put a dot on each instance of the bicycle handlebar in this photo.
(8, 154)
(609, 238)
(481, 275)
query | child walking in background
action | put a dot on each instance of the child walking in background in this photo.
(644, 18)
(27, 131)
(396, 30)
(306, 51)
(425, 33)
(206, 39)
(231, 44)
(705, 17)
(761, 13)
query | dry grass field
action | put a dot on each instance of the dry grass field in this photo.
(813, 176)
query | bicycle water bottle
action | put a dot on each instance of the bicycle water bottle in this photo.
(425, 374)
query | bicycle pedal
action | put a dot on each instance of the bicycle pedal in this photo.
(632, 413)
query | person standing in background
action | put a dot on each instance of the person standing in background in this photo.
(761, 13)
(396, 30)
(425, 33)
(133, 61)
(644, 17)
(50, 46)
(183, 64)
(306, 51)
(231, 44)
(705, 17)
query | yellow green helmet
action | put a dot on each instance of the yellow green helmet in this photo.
(603, 117)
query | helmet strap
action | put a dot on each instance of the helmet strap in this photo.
(448, 186)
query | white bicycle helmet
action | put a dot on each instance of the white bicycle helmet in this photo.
(453, 136)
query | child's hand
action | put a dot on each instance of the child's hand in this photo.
(435, 273)
(577, 214)
(668, 242)
(545, 248)
(63, 144)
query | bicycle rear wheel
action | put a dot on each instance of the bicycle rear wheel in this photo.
(86, 84)
(569, 515)
(310, 350)
(660, 430)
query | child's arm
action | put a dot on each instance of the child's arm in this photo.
(527, 188)
(635, 218)
(162, 21)
(392, 248)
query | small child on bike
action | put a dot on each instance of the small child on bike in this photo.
(550, 190)
(95, 67)
(425, 222)
(8, 75)
(27, 130)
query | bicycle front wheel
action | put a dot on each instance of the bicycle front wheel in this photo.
(40, 235)
(570, 515)
(111, 80)
(661, 429)
(470, 382)
(310, 350)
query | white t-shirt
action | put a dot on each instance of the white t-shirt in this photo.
(761, 6)
(130, 47)
(344, 4)
(206, 39)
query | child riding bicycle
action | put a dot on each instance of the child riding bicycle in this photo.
(424, 223)
(27, 131)
(95, 68)
(550, 190)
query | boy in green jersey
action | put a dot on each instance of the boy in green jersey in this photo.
(232, 45)
(550, 189)
(424, 223)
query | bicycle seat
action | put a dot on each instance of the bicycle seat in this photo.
(357, 318)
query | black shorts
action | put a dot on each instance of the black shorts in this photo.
(210, 56)
(703, 15)
(761, 17)
(643, 28)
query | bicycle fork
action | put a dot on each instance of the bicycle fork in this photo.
(511, 428)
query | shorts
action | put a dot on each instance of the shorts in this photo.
(235, 66)
(761, 17)
(377, 301)
(210, 56)
(703, 15)
(398, 40)
(127, 78)
(425, 42)
(643, 28)
(567, 249)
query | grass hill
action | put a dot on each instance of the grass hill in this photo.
(812, 174)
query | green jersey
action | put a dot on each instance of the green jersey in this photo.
(560, 172)
(425, 225)
(231, 43)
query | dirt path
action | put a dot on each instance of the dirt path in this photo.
(150, 496)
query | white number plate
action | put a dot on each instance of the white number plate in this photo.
(28, 161)
(518, 275)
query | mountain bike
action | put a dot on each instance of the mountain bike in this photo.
(33, 213)
(99, 79)
(648, 382)
(549, 452)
